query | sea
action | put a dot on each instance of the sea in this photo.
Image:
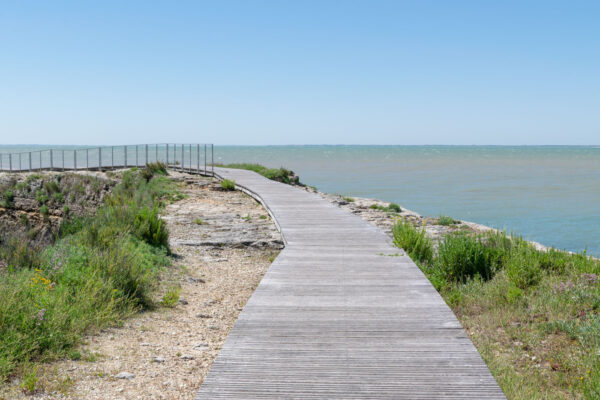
(548, 194)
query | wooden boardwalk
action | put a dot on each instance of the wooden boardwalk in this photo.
(336, 316)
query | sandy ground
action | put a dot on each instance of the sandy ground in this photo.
(166, 353)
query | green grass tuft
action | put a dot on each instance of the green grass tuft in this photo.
(227, 184)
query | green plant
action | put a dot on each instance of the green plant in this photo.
(51, 187)
(461, 257)
(348, 199)
(414, 242)
(171, 298)
(45, 211)
(446, 221)
(391, 208)
(30, 380)
(8, 198)
(227, 184)
(277, 174)
(263, 217)
(199, 221)
(394, 208)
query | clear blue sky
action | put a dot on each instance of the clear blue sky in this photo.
(297, 72)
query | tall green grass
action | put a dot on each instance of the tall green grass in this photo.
(100, 269)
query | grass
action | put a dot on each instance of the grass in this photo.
(171, 298)
(227, 184)
(391, 208)
(199, 221)
(446, 220)
(533, 315)
(277, 174)
(101, 269)
(348, 199)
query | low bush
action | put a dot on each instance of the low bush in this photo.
(446, 221)
(7, 199)
(227, 184)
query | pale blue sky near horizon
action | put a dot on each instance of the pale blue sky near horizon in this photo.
(304, 72)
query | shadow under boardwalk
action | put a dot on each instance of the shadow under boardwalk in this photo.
(335, 318)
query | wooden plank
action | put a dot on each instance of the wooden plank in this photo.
(336, 318)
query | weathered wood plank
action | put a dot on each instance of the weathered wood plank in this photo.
(334, 317)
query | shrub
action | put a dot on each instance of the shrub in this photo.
(446, 221)
(414, 242)
(171, 298)
(394, 207)
(523, 267)
(8, 198)
(226, 184)
(199, 221)
(51, 187)
(391, 208)
(461, 257)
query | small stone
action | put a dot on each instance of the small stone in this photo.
(203, 316)
(158, 359)
(125, 375)
(144, 344)
(201, 347)
(187, 357)
(183, 301)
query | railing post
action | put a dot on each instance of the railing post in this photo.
(182, 157)
(198, 158)
(212, 158)
(75, 160)
(190, 169)
(112, 157)
(156, 152)
(10, 162)
(205, 158)
(40, 161)
(100, 158)
(87, 159)
(137, 163)
(29, 161)
(20, 164)
(63, 159)
(51, 160)
(125, 147)
(146, 154)
(167, 152)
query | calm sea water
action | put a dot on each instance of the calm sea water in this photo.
(550, 194)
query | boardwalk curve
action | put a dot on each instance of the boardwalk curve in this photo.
(334, 317)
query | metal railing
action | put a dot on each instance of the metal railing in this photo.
(197, 158)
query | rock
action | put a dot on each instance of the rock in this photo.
(201, 347)
(125, 375)
(144, 344)
(183, 301)
(187, 357)
(194, 280)
(203, 316)
(158, 359)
